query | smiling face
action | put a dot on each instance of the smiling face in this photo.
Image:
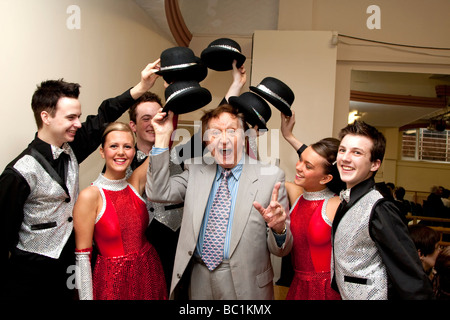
(310, 172)
(118, 152)
(354, 159)
(143, 128)
(63, 126)
(226, 139)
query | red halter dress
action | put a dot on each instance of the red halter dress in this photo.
(128, 266)
(311, 250)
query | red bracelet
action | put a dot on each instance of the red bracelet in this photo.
(84, 250)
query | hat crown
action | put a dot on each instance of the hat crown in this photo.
(258, 104)
(185, 96)
(225, 42)
(278, 88)
(220, 54)
(179, 86)
(180, 63)
(177, 56)
(255, 109)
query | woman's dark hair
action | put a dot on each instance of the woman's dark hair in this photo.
(327, 148)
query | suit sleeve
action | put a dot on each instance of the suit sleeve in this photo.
(160, 186)
(89, 136)
(285, 248)
(14, 191)
(406, 275)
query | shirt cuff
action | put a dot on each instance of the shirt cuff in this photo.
(155, 151)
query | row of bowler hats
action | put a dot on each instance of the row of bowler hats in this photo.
(183, 70)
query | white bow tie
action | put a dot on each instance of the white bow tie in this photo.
(344, 195)
(56, 151)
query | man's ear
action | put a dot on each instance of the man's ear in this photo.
(421, 256)
(133, 126)
(375, 165)
(45, 117)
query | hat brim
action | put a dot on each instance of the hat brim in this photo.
(249, 114)
(220, 59)
(197, 72)
(188, 101)
(274, 101)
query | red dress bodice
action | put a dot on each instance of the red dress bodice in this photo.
(311, 250)
(128, 266)
(121, 228)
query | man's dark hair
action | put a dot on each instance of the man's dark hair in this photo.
(361, 128)
(47, 95)
(146, 97)
(424, 238)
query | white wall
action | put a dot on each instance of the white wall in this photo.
(106, 55)
(306, 62)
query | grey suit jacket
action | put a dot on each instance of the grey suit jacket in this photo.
(251, 241)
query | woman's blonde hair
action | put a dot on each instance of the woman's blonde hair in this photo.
(117, 126)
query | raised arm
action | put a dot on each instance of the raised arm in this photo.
(148, 78)
(287, 125)
(88, 137)
(239, 80)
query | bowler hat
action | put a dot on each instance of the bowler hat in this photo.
(186, 96)
(277, 93)
(180, 63)
(255, 109)
(220, 54)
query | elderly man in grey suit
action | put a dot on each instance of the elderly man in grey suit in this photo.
(235, 212)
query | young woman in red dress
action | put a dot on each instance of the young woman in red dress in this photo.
(316, 182)
(113, 214)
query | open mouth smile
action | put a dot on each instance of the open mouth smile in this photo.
(226, 152)
(120, 161)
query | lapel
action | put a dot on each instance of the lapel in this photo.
(244, 202)
(203, 184)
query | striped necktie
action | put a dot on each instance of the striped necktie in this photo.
(216, 228)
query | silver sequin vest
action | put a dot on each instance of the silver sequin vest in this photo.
(169, 214)
(359, 271)
(47, 222)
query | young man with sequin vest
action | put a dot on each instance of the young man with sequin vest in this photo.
(38, 189)
(373, 254)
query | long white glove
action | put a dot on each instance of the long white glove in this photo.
(83, 274)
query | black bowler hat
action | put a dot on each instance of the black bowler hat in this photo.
(220, 54)
(255, 109)
(186, 96)
(277, 93)
(180, 63)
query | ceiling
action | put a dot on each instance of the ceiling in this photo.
(243, 17)
(224, 17)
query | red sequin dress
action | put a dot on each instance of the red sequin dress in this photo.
(311, 250)
(127, 266)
